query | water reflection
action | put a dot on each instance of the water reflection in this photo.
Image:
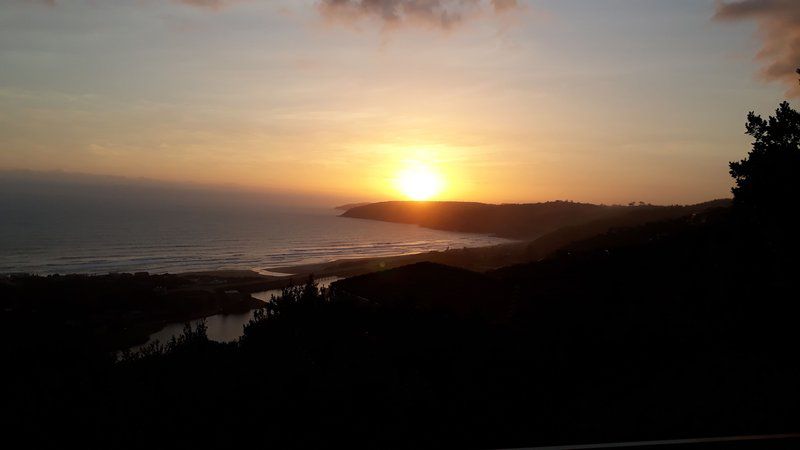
(222, 327)
(266, 296)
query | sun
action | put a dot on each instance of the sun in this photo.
(419, 182)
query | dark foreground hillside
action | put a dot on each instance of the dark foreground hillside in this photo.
(684, 328)
(117, 311)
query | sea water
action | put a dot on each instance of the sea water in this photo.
(105, 238)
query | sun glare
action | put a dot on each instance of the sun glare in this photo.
(419, 183)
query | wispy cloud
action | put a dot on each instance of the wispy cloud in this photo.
(43, 2)
(207, 4)
(779, 28)
(443, 14)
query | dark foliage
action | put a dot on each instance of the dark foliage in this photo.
(116, 311)
(766, 181)
(674, 329)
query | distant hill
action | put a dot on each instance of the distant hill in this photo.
(350, 206)
(622, 219)
(483, 259)
(519, 221)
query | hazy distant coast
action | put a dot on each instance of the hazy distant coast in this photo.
(141, 303)
(91, 225)
(517, 221)
(561, 224)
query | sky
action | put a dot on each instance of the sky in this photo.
(604, 101)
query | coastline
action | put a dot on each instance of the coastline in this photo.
(479, 259)
(186, 296)
(248, 282)
(143, 303)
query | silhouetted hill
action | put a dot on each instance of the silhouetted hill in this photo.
(350, 206)
(521, 221)
(482, 259)
(627, 218)
(121, 310)
(680, 328)
(429, 286)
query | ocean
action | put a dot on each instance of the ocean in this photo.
(103, 237)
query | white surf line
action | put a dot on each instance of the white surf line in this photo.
(271, 273)
(713, 440)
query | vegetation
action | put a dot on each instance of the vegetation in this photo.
(518, 221)
(766, 181)
(121, 310)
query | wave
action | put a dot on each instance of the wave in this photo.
(178, 246)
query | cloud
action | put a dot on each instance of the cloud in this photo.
(504, 5)
(443, 14)
(44, 2)
(208, 4)
(779, 28)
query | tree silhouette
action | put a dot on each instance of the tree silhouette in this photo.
(766, 181)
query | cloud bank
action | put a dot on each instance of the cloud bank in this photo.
(207, 4)
(779, 28)
(443, 14)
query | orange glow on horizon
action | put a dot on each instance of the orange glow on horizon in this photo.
(419, 182)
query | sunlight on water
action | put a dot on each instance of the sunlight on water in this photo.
(223, 327)
(108, 241)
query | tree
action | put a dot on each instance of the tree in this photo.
(765, 177)
(767, 187)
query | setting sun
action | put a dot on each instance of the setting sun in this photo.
(419, 183)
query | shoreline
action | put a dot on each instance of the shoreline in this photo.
(188, 296)
(248, 282)
(478, 259)
(185, 296)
